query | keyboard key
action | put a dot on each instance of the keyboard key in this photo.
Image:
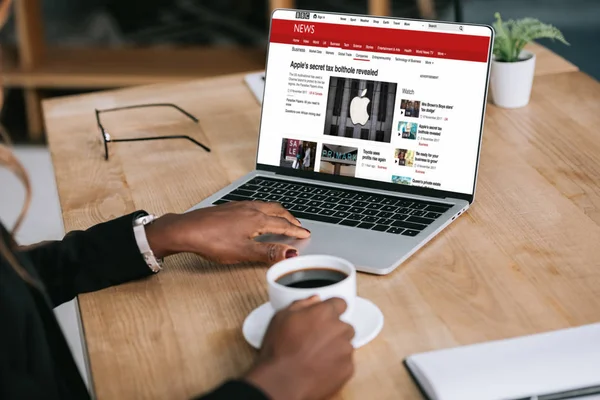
(319, 197)
(356, 217)
(349, 222)
(418, 213)
(362, 204)
(299, 207)
(220, 201)
(336, 193)
(404, 210)
(370, 212)
(274, 197)
(374, 206)
(341, 214)
(409, 232)
(264, 182)
(250, 187)
(234, 197)
(432, 215)
(305, 195)
(400, 217)
(306, 189)
(314, 203)
(346, 202)
(279, 191)
(287, 206)
(380, 228)
(438, 209)
(383, 221)
(300, 201)
(342, 207)
(332, 199)
(388, 201)
(395, 230)
(316, 217)
(320, 191)
(291, 187)
(385, 214)
(370, 219)
(418, 205)
(260, 195)
(361, 196)
(366, 226)
(327, 212)
(419, 220)
(404, 203)
(389, 208)
(409, 225)
(375, 199)
(357, 210)
(281, 185)
(286, 199)
(293, 193)
(312, 210)
(264, 189)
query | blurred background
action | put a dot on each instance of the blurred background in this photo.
(97, 44)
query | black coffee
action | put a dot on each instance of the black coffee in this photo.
(311, 278)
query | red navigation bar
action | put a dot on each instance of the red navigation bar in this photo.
(381, 40)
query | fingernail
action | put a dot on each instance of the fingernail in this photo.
(291, 253)
(299, 223)
(306, 230)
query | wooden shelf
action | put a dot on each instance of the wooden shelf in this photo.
(104, 68)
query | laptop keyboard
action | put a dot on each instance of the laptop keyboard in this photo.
(394, 215)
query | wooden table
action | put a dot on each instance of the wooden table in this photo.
(524, 259)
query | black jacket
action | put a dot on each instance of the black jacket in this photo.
(35, 362)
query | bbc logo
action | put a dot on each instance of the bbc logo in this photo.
(302, 15)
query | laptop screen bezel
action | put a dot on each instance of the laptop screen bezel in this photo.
(368, 183)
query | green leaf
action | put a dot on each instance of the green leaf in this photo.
(513, 35)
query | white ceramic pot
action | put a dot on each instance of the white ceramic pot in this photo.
(511, 82)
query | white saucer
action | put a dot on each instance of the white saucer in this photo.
(367, 321)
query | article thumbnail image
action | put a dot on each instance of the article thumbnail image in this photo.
(408, 130)
(360, 109)
(401, 180)
(410, 108)
(298, 154)
(338, 160)
(404, 158)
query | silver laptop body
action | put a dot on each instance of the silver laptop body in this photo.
(371, 251)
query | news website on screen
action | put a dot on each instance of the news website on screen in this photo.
(390, 100)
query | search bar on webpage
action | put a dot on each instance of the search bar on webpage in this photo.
(437, 26)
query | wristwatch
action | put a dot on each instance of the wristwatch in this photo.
(139, 231)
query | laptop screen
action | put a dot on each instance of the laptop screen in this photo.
(381, 99)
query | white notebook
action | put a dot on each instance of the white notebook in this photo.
(544, 366)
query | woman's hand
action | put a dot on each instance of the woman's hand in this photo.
(307, 352)
(226, 233)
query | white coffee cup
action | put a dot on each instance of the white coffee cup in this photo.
(281, 296)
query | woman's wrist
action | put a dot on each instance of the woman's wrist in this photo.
(160, 237)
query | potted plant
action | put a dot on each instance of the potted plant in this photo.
(513, 67)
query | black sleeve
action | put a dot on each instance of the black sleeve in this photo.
(238, 390)
(84, 261)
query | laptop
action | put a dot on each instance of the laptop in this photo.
(370, 131)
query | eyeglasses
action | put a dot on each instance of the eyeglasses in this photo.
(106, 138)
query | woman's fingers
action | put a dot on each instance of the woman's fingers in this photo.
(269, 253)
(280, 226)
(275, 210)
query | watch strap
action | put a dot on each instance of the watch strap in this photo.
(139, 231)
